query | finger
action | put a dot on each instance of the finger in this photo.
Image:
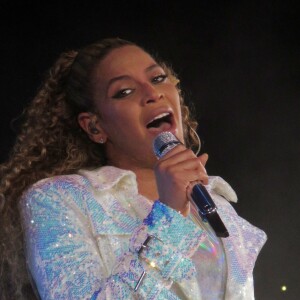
(188, 171)
(189, 164)
(177, 155)
(203, 159)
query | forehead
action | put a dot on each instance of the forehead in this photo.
(123, 61)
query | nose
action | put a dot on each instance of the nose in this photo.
(151, 93)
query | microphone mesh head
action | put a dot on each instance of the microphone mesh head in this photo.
(164, 142)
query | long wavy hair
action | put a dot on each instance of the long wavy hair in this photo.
(51, 143)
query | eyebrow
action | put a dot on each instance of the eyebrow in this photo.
(152, 67)
(148, 69)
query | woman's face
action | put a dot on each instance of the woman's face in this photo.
(136, 101)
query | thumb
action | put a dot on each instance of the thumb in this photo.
(203, 159)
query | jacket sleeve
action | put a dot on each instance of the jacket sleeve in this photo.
(64, 259)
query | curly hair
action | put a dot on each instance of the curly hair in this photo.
(51, 143)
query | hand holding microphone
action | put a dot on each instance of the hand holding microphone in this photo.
(175, 170)
(180, 175)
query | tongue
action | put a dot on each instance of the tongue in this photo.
(163, 126)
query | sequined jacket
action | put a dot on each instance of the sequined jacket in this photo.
(84, 233)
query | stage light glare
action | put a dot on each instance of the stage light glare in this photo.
(283, 288)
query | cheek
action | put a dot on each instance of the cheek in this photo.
(117, 118)
(176, 101)
(173, 93)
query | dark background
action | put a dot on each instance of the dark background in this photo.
(238, 62)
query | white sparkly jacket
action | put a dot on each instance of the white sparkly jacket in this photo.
(83, 234)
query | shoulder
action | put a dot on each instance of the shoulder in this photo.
(61, 183)
(78, 187)
(58, 191)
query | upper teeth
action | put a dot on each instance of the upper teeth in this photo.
(159, 117)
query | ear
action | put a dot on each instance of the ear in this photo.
(90, 124)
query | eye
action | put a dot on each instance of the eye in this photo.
(123, 93)
(159, 78)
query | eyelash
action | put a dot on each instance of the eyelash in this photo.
(163, 77)
(124, 92)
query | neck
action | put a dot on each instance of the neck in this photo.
(147, 183)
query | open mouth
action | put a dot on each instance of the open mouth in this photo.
(161, 122)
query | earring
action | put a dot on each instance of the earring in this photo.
(101, 141)
(93, 129)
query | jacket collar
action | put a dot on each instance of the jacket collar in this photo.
(106, 177)
(115, 206)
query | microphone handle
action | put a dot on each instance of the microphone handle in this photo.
(207, 209)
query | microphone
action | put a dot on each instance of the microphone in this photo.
(207, 209)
